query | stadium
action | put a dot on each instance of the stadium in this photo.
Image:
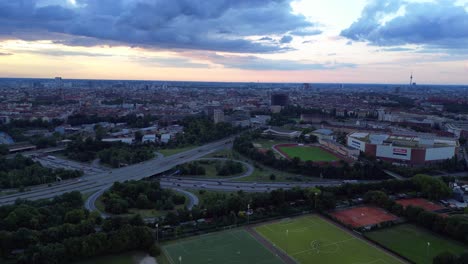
(411, 150)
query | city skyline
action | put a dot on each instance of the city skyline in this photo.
(244, 41)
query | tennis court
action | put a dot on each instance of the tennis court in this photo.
(420, 202)
(363, 216)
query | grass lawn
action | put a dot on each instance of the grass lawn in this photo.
(124, 258)
(307, 153)
(311, 239)
(269, 143)
(236, 246)
(170, 152)
(411, 241)
(225, 153)
(262, 174)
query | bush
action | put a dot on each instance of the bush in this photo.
(154, 250)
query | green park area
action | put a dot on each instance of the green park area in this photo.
(415, 243)
(307, 153)
(234, 246)
(311, 239)
(212, 168)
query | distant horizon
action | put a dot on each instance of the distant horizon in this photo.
(360, 41)
(240, 82)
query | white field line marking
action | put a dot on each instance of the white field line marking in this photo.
(329, 244)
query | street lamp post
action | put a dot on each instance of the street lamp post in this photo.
(157, 232)
(248, 213)
(427, 252)
(315, 200)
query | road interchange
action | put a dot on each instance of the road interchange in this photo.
(100, 181)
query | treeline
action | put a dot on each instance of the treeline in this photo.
(456, 108)
(141, 195)
(131, 120)
(222, 167)
(243, 144)
(17, 127)
(191, 168)
(124, 154)
(291, 112)
(112, 153)
(200, 130)
(22, 171)
(427, 186)
(229, 167)
(230, 209)
(61, 231)
(448, 165)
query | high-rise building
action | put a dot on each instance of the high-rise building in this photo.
(279, 99)
(218, 116)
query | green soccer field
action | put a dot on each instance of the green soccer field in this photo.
(411, 241)
(231, 247)
(312, 239)
(307, 153)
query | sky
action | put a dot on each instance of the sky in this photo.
(338, 41)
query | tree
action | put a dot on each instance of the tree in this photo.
(3, 150)
(326, 201)
(75, 216)
(432, 188)
(138, 136)
(99, 131)
(154, 250)
(377, 198)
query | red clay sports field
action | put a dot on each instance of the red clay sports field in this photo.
(363, 216)
(420, 202)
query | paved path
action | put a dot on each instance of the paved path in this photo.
(275, 149)
(193, 199)
(394, 175)
(90, 203)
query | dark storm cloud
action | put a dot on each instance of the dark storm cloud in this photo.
(219, 25)
(440, 24)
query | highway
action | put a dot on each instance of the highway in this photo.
(102, 181)
(232, 186)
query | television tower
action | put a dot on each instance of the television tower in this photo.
(411, 79)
